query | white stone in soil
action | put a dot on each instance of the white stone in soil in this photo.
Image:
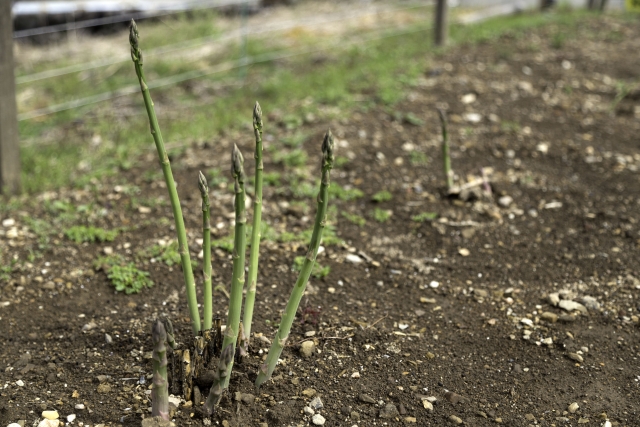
(354, 259)
(71, 417)
(79, 406)
(20, 383)
(316, 403)
(573, 407)
(14, 425)
(308, 411)
(318, 420)
(434, 284)
(49, 423)
(9, 222)
(50, 415)
(569, 305)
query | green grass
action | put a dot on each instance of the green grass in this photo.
(90, 234)
(386, 69)
(381, 215)
(123, 275)
(167, 254)
(319, 272)
(382, 196)
(354, 219)
(424, 216)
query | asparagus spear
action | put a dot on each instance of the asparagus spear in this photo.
(256, 232)
(160, 387)
(206, 249)
(136, 56)
(446, 158)
(224, 367)
(298, 290)
(237, 277)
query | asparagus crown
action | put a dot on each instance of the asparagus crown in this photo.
(202, 184)
(237, 162)
(257, 117)
(327, 151)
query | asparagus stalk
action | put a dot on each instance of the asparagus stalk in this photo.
(446, 158)
(256, 232)
(237, 277)
(206, 249)
(160, 387)
(298, 290)
(224, 367)
(136, 56)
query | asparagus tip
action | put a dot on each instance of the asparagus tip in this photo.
(133, 34)
(442, 115)
(237, 162)
(158, 332)
(327, 149)
(202, 183)
(257, 113)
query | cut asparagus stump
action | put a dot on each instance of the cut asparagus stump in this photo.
(160, 387)
(256, 231)
(136, 56)
(446, 157)
(206, 250)
(298, 290)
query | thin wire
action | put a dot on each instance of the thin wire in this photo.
(193, 43)
(228, 66)
(88, 23)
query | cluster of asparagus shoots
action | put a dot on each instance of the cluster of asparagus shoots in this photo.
(475, 187)
(237, 334)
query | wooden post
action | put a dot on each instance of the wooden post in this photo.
(9, 142)
(442, 26)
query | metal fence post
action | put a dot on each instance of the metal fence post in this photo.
(441, 27)
(9, 142)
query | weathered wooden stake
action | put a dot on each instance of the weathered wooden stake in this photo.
(9, 142)
(442, 25)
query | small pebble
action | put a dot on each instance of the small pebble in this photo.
(505, 201)
(108, 339)
(308, 411)
(71, 417)
(318, 420)
(366, 398)
(49, 423)
(354, 259)
(464, 252)
(316, 403)
(307, 348)
(434, 284)
(427, 405)
(573, 407)
(547, 316)
(79, 406)
(575, 356)
(308, 392)
(50, 415)
(389, 411)
(20, 383)
(454, 419)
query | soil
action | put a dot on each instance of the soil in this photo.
(463, 311)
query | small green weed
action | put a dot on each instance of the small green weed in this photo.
(168, 253)
(355, 219)
(272, 178)
(424, 216)
(296, 140)
(217, 178)
(382, 196)
(381, 215)
(124, 276)
(82, 234)
(418, 158)
(343, 193)
(341, 161)
(292, 159)
(319, 272)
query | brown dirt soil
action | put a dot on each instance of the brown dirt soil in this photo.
(449, 309)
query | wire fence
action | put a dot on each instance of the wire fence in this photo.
(210, 40)
(115, 19)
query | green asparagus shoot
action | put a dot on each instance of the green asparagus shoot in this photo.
(446, 158)
(136, 56)
(237, 277)
(206, 250)
(298, 290)
(224, 368)
(160, 386)
(256, 229)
